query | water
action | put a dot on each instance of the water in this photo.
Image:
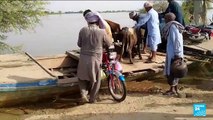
(58, 33)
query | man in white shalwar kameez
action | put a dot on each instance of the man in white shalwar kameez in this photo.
(153, 37)
(172, 32)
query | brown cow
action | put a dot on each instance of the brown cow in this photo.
(129, 43)
(128, 37)
(117, 35)
(116, 29)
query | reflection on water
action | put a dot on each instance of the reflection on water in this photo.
(58, 33)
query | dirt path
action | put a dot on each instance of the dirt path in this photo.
(144, 102)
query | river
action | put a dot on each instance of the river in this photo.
(57, 33)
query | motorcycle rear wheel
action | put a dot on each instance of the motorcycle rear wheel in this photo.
(198, 38)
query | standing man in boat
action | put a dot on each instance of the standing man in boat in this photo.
(172, 32)
(136, 17)
(153, 37)
(91, 40)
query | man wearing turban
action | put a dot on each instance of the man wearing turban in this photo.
(90, 40)
(136, 17)
(153, 37)
(172, 32)
(102, 23)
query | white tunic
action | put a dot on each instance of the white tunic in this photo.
(174, 47)
(151, 18)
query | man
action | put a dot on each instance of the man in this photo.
(91, 40)
(102, 24)
(134, 16)
(153, 37)
(175, 8)
(172, 32)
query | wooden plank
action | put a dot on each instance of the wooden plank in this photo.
(207, 45)
(45, 69)
(139, 65)
(64, 71)
(58, 62)
(73, 54)
(201, 48)
(68, 81)
(194, 49)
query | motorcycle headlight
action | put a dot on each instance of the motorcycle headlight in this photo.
(112, 55)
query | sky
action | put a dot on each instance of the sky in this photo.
(94, 5)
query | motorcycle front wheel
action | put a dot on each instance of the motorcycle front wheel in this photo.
(117, 88)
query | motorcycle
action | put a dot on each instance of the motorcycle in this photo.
(113, 70)
(198, 33)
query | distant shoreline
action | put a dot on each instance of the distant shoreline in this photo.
(72, 12)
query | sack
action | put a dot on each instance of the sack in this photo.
(179, 68)
(103, 75)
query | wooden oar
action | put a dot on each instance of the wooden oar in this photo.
(46, 70)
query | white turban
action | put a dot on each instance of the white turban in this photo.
(147, 4)
(132, 14)
(91, 17)
(101, 21)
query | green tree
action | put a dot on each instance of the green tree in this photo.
(160, 6)
(187, 7)
(197, 8)
(206, 5)
(18, 15)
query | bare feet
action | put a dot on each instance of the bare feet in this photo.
(84, 100)
(150, 61)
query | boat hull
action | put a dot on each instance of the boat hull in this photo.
(34, 94)
(22, 81)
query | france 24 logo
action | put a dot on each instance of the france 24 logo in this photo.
(199, 109)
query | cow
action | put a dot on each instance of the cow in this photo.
(115, 29)
(128, 37)
(129, 43)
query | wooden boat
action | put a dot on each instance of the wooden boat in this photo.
(24, 79)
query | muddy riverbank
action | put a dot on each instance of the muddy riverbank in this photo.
(144, 101)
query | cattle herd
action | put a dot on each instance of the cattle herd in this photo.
(130, 45)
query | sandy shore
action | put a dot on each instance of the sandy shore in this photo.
(142, 103)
